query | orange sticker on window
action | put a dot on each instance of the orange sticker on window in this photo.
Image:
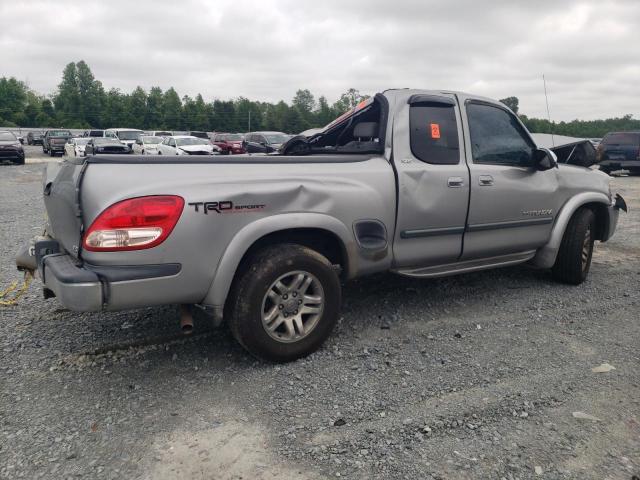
(435, 130)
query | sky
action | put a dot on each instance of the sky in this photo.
(266, 50)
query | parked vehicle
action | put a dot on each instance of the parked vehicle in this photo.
(147, 145)
(264, 142)
(186, 145)
(422, 183)
(75, 146)
(229, 143)
(203, 135)
(126, 135)
(619, 151)
(35, 138)
(11, 150)
(20, 139)
(105, 145)
(54, 141)
(159, 133)
(94, 133)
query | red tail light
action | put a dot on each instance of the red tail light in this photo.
(134, 224)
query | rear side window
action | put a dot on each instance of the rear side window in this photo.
(630, 138)
(434, 133)
(497, 137)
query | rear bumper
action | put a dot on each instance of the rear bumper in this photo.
(90, 288)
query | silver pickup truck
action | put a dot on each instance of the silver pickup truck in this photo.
(421, 183)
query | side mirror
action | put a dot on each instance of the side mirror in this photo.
(544, 159)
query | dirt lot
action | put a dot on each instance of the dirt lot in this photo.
(486, 375)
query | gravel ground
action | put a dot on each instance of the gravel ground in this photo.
(485, 375)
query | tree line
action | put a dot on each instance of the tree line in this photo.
(81, 101)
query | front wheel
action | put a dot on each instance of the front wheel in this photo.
(285, 303)
(574, 256)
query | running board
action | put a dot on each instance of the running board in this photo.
(467, 266)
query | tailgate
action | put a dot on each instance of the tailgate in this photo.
(61, 184)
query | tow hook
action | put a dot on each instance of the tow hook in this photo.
(620, 204)
(186, 319)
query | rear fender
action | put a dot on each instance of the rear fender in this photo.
(546, 256)
(248, 235)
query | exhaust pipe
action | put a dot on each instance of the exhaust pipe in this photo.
(186, 319)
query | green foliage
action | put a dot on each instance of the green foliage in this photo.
(81, 102)
(512, 103)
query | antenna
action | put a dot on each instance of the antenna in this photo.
(546, 98)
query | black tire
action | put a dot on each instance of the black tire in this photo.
(52, 153)
(574, 257)
(249, 296)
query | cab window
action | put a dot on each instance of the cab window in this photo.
(497, 137)
(434, 133)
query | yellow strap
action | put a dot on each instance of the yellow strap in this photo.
(16, 296)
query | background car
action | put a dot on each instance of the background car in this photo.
(75, 146)
(619, 151)
(35, 137)
(159, 133)
(229, 143)
(199, 134)
(105, 145)
(127, 136)
(264, 142)
(11, 150)
(187, 145)
(54, 141)
(94, 133)
(147, 145)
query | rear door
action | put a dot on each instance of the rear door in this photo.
(433, 181)
(512, 204)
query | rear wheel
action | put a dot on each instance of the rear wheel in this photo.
(574, 257)
(285, 303)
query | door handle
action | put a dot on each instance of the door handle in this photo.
(485, 180)
(455, 182)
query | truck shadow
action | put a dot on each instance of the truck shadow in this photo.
(372, 302)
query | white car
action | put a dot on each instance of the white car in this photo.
(187, 145)
(146, 145)
(75, 146)
(127, 136)
(159, 133)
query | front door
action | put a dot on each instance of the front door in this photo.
(433, 182)
(512, 204)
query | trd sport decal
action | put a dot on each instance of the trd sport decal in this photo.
(224, 207)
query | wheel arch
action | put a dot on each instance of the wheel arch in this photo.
(321, 232)
(598, 202)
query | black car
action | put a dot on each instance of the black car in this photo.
(264, 142)
(35, 138)
(54, 141)
(11, 150)
(94, 133)
(619, 151)
(99, 145)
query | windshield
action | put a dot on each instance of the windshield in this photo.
(277, 138)
(199, 134)
(181, 142)
(231, 137)
(59, 133)
(102, 140)
(622, 139)
(152, 140)
(7, 136)
(128, 134)
(96, 133)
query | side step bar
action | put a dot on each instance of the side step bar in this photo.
(466, 266)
